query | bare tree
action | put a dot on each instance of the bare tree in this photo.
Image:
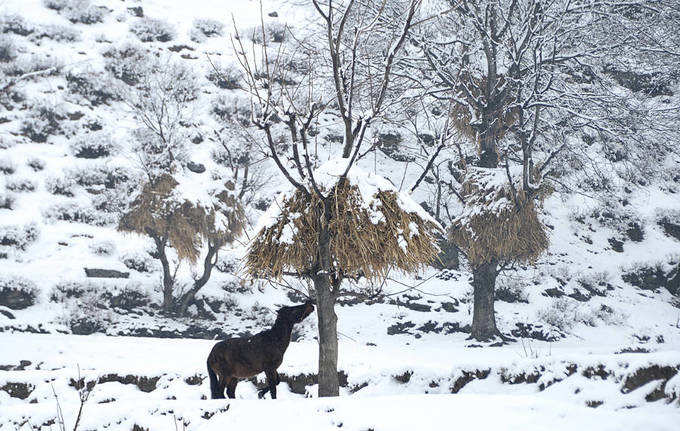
(348, 65)
(524, 80)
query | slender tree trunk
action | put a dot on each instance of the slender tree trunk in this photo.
(188, 297)
(168, 281)
(484, 319)
(329, 385)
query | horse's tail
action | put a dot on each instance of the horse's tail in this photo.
(214, 384)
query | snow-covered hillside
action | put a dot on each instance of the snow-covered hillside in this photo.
(600, 305)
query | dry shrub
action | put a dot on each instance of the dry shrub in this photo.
(361, 244)
(185, 224)
(493, 227)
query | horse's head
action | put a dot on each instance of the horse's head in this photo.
(297, 313)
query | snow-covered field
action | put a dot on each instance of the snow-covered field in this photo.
(156, 383)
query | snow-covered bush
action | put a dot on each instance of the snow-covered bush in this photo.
(653, 275)
(138, 261)
(7, 201)
(17, 292)
(78, 11)
(19, 237)
(128, 63)
(36, 164)
(204, 28)
(7, 166)
(92, 86)
(55, 32)
(100, 176)
(150, 30)
(669, 220)
(561, 313)
(232, 109)
(8, 49)
(20, 185)
(114, 201)
(511, 290)
(64, 186)
(86, 306)
(103, 248)
(273, 32)
(597, 283)
(225, 77)
(42, 122)
(76, 212)
(25, 64)
(12, 23)
(93, 145)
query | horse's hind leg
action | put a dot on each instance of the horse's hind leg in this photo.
(231, 387)
(216, 384)
(272, 381)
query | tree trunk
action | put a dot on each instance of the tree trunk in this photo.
(484, 319)
(329, 385)
(168, 282)
(189, 295)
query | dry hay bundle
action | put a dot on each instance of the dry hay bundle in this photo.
(492, 227)
(184, 223)
(369, 235)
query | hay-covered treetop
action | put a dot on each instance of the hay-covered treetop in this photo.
(494, 225)
(186, 211)
(373, 228)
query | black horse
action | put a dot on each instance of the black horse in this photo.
(241, 358)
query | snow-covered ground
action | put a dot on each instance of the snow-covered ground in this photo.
(156, 382)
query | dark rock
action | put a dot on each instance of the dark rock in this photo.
(670, 227)
(178, 48)
(400, 328)
(616, 245)
(647, 278)
(635, 232)
(194, 380)
(594, 403)
(411, 305)
(450, 306)
(579, 296)
(405, 377)
(105, 273)
(390, 144)
(144, 383)
(467, 377)
(536, 332)
(18, 389)
(137, 11)
(273, 14)
(16, 299)
(642, 376)
(553, 292)
(197, 168)
(86, 326)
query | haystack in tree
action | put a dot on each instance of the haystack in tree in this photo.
(193, 218)
(499, 226)
(351, 225)
(338, 222)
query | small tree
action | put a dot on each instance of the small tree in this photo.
(339, 223)
(165, 212)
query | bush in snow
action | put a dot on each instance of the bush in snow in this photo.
(77, 213)
(20, 185)
(93, 146)
(42, 122)
(204, 28)
(17, 293)
(561, 313)
(655, 275)
(138, 261)
(92, 86)
(150, 30)
(128, 63)
(103, 248)
(232, 109)
(100, 176)
(511, 290)
(16, 24)
(78, 11)
(55, 32)
(273, 32)
(36, 164)
(225, 77)
(7, 166)
(7, 201)
(8, 49)
(669, 220)
(34, 63)
(19, 237)
(64, 186)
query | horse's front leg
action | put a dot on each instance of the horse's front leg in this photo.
(272, 381)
